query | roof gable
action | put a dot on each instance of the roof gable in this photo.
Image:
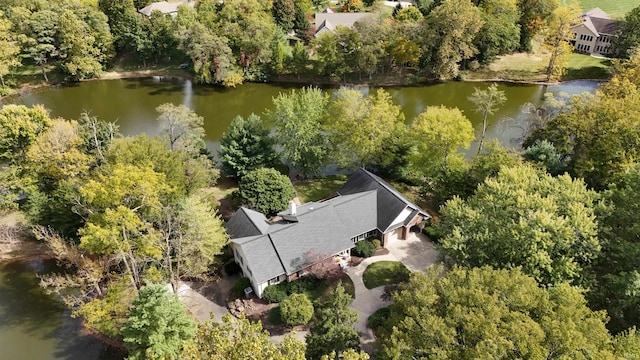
(390, 202)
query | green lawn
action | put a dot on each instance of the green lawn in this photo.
(384, 273)
(587, 67)
(615, 8)
(319, 188)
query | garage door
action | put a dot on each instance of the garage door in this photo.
(394, 235)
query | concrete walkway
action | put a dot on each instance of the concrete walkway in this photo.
(417, 253)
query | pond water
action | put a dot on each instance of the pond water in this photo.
(34, 325)
(132, 102)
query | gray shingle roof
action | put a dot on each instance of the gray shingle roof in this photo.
(261, 257)
(164, 7)
(247, 222)
(321, 230)
(390, 202)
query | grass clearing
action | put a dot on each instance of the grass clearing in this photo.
(518, 67)
(615, 8)
(587, 67)
(384, 273)
(319, 188)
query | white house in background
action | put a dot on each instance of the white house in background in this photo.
(270, 252)
(328, 20)
(165, 7)
(596, 33)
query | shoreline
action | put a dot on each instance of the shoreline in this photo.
(288, 79)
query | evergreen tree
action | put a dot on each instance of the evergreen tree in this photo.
(246, 146)
(332, 329)
(157, 326)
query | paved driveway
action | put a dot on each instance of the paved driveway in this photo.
(417, 252)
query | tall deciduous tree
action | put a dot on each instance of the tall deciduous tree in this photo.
(240, 339)
(19, 128)
(157, 326)
(628, 34)
(332, 328)
(486, 102)
(40, 42)
(360, 125)
(246, 146)
(183, 127)
(266, 190)
(487, 313)
(439, 133)
(526, 218)
(451, 24)
(617, 270)
(599, 138)
(125, 23)
(9, 48)
(299, 117)
(500, 33)
(534, 15)
(558, 38)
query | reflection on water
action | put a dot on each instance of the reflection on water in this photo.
(34, 325)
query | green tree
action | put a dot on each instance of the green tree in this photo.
(298, 117)
(9, 49)
(183, 127)
(487, 313)
(486, 102)
(500, 33)
(545, 154)
(193, 237)
(40, 42)
(359, 125)
(240, 339)
(297, 309)
(284, 14)
(526, 218)
(558, 38)
(618, 276)
(157, 326)
(439, 133)
(597, 137)
(19, 128)
(534, 15)
(332, 328)
(409, 14)
(266, 190)
(628, 34)
(299, 59)
(449, 42)
(246, 146)
(125, 24)
(77, 49)
(213, 61)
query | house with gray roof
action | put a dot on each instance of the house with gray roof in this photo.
(165, 7)
(272, 251)
(328, 21)
(596, 32)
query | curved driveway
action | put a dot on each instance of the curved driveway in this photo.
(417, 253)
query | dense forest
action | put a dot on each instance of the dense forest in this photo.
(229, 42)
(540, 246)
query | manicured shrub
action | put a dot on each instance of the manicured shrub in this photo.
(240, 285)
(376, 243)
(365, 249)
(232, 268)
(305, 283)
(378, 318)
(275, 293)
(297, 309)
(433, 233)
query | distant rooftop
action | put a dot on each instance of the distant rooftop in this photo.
(165, 7)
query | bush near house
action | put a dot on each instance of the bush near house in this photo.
(297, 309)
(365, 248)
(278, 292)
(378, 318)
(240, 285)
